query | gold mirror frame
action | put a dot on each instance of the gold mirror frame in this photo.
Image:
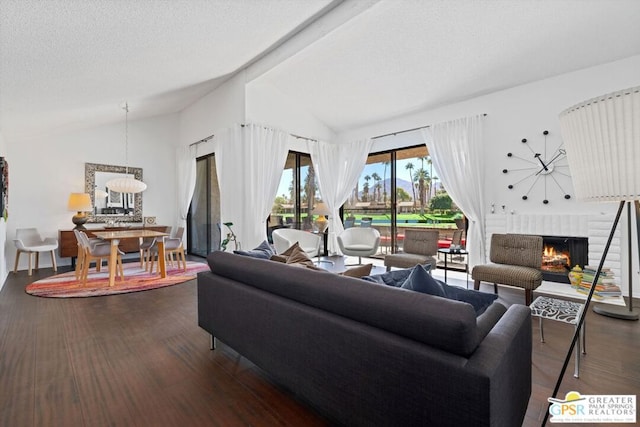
(90, 170)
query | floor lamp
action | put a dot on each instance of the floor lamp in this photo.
(602, 138)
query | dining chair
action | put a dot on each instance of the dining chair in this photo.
(172, 245)
(145, 249)
(96, 252)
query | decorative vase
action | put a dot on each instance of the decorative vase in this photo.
(575, 276)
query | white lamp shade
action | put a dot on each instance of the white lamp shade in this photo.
(79, 202)
(320, 209)
(126, 185)
(602, 138)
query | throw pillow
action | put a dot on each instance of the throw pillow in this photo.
(264, 250)
(363, 270)
(298, 256)
(420, 280)
(423, 282)
(394, 277)
(278, 258)
(284, 256)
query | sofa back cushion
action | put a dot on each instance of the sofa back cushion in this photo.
(445, 324)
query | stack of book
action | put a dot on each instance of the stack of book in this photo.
(605, 287)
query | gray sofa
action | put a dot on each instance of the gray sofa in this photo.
(367, 354)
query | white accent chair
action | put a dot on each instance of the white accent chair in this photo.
(359, 241)
(284, 238)
(28, 240)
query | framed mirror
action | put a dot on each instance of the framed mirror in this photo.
(109, 205)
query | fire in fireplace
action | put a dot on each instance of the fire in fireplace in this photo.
(561, 254)
(555, 260)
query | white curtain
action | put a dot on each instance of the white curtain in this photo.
(338, 168)
(456, 151)
(186, 179)
(249, 163)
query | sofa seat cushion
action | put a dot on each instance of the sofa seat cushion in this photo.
(445, 324)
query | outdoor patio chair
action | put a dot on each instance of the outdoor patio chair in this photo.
(359, 242)
(420, 247)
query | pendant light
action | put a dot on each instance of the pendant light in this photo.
(126, 184)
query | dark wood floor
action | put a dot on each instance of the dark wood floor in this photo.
(141, 360)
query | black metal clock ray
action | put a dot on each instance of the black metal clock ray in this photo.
(539, 168)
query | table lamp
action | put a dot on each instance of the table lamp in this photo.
(80, 203)
(322, 211)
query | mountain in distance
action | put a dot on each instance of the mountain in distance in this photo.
(386, 184)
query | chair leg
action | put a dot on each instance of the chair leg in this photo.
(85, 270)
(53, 262)
(528, 296)
(30, 260)
(476, 285)
(37, 260)
(495, 289)
(15, 267)
(184, 259)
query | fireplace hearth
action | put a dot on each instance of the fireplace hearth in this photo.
(561, 254)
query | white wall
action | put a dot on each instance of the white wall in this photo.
(43, 171)
(216, 111)
(269, 106)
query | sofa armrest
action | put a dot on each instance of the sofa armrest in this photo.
(504, 356)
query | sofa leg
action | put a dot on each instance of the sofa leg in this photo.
(495, 288)
(528, 296)
(212, 342)
(476, 285)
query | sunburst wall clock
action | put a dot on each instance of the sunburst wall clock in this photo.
(540, 165)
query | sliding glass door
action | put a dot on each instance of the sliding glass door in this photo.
(204, 214)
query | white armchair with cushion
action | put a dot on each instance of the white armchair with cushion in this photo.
(284, 238)
(28, 240)
(359, 242)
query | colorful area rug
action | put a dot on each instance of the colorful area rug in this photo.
(135, 279)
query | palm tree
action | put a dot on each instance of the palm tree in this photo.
(420, 177)
(384, 180)
(310, 189)
(430, 163)
(377, 186)
(365, 189)
(409, 167)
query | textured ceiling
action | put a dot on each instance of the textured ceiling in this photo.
(71, 63)
(399, 56)
(65, 63)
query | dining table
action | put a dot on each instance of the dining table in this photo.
(114, 238)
